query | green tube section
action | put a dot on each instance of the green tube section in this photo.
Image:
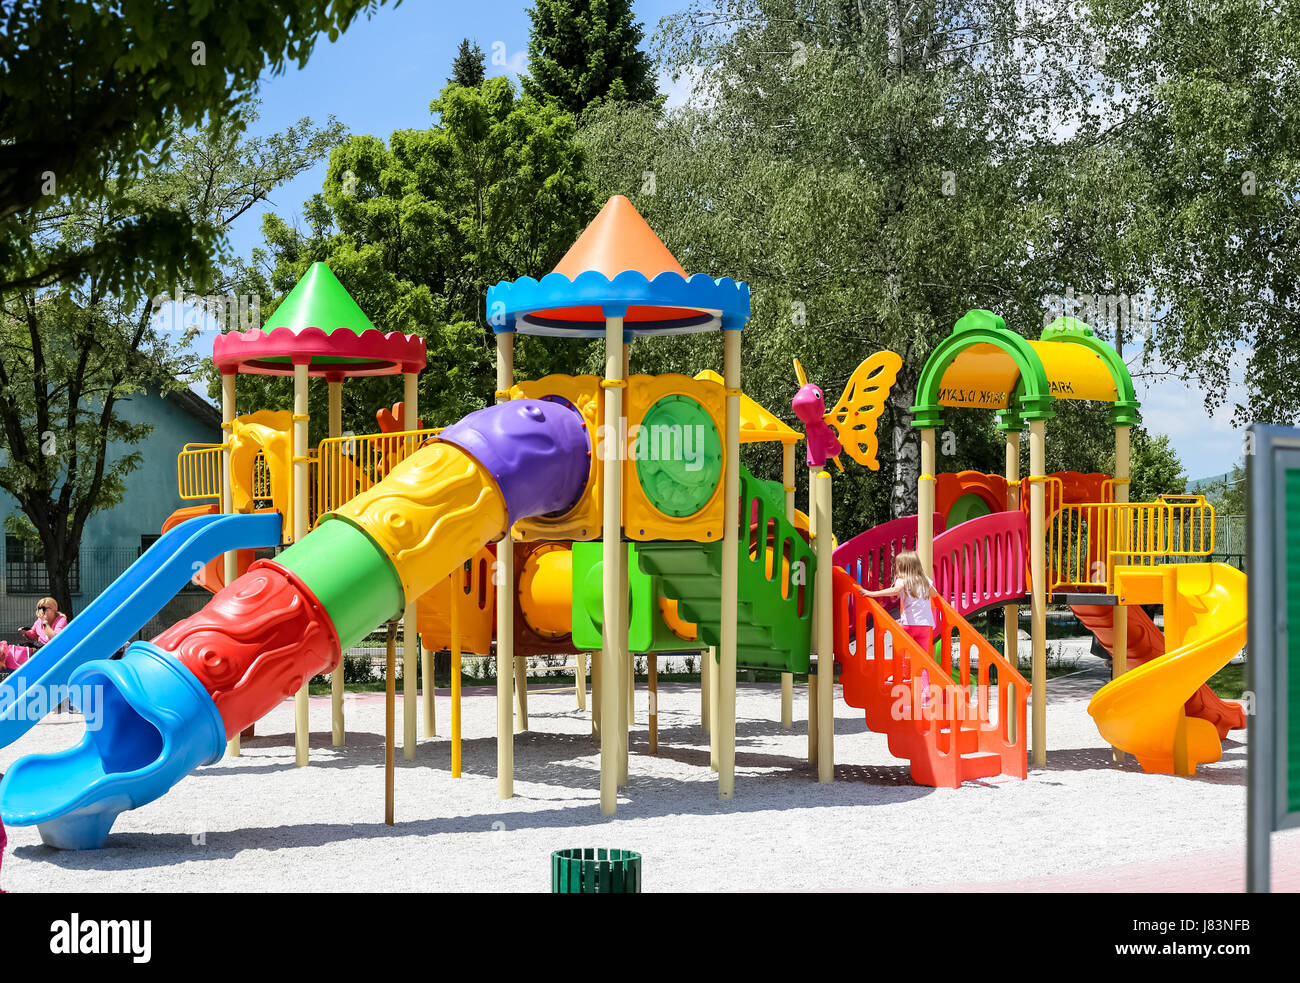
(350, 575)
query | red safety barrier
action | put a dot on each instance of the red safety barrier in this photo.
(983, 562)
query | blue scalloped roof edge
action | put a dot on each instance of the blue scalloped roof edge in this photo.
(509, 300)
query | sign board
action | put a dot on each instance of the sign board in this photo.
(1273, 650)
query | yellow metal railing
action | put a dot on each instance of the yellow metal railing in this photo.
(1087, 541)
(346, 466)
(198, 471)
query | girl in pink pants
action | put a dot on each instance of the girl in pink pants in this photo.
(915, 593)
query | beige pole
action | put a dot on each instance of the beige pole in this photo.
(730, 571)
(925, 503)
(580, 680)
(505, 583)
(1038, 601)
(230, 557)
(597, 668)
(410, 632)
(612, 631)
(706, 693)
(1119, 646)
(813, 530)
(624, 618)
(714, 733)
(787, 678)
(521, 693)
(652, 686)
(1011, 613)
(302, 722)
(825, 613)
(334, 386)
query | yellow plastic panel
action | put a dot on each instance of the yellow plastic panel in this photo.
(642, 521)
(584, 520)
(984, 376)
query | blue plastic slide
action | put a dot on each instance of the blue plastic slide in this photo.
(108, 622)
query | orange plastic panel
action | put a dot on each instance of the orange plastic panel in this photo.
(476, 612)
(641, 520)
(584, 520)
(991, 488)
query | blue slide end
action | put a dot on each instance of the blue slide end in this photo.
(109, 621)
(153, 723)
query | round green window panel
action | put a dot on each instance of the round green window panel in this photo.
(967, 507)
(678, 456)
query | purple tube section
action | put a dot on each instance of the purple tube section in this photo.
(538, 451)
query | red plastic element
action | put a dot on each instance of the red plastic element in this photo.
(256, 642)
(983, 562)
(1146, 642)
(990, 488)
(369, 353)
(948, 735)
(809, 406)
(869, 556)
(528, 641)
(212, 576)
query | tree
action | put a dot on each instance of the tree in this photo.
(584, 52)
(70, 355)
(419, 227)
(874, 170)
(1207, 115)
(468, 68)
(91, 93)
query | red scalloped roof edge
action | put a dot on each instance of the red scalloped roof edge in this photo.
(400, 349)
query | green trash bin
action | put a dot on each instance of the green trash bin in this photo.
(595, 871)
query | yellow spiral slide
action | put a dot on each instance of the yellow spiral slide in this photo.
(1143, 711)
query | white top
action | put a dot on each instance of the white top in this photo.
(915, 610)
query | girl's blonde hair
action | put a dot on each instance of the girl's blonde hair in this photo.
(51, 604)
(907, 567)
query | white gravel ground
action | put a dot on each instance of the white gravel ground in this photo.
(259, 823)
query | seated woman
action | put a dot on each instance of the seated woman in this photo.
(49, 622)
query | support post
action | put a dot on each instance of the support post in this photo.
(1011, 613)
(230, 559)
(390, 722)
(925, 503)
(625, 668)
(712, 656)
(1119, 628)
(706, 692)
(410, 631)
(824, 602)
(505, 582)
(457, 590)
(652, 686)
(787, 482)
(521, 693)
(813, 670)
(338, 730)
(580, 679)
(597, 670)
(726, 720)
(1038, 600)
(612, 631)
(301, 704)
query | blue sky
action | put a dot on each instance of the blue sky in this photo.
(381, 74)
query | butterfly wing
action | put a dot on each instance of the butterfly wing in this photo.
(855, 416)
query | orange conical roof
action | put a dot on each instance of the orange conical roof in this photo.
(618, 239)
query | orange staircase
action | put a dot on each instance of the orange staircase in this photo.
(952, 736)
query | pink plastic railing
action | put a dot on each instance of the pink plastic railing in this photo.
(869, 556)
(983, 562)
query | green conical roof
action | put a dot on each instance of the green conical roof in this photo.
(318, 300)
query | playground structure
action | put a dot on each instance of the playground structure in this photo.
(613, 515)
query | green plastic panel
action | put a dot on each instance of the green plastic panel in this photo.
(647, 631)
(678, 456)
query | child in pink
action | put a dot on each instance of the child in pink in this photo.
(915, 593)
(49, 622)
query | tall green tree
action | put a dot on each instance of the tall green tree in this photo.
(71, 355)
(419, 227)
(874, 170)
(92, 92)
(584, 52)
(468, 69)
